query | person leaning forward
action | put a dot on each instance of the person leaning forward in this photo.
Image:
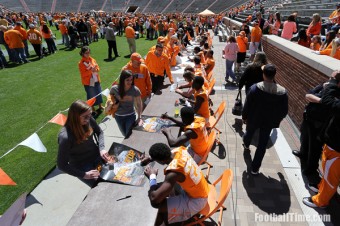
(195, 132)
(183, 171)
(157, 63)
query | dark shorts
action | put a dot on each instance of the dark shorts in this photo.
(241, 57)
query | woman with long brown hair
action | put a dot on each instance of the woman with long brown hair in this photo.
(128, 95)
(81, 143)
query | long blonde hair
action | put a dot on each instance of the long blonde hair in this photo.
(335, 46)
(79, 131)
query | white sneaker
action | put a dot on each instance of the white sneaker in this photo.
(309, 202)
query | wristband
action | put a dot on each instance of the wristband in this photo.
(153, 177)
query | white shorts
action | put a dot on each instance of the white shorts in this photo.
(182, 207)
(253, 48)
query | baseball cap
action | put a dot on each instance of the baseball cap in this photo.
(137, 57)
(160, 39)
(32, 26)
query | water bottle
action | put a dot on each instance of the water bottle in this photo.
(176, 108)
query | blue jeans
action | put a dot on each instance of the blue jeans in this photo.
(264, 134)
(229, 72)
(92, 91)
(125, 123)
(20, 55)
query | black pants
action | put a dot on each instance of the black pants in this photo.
(37, 49)
(112, 45)
(157, 83)
(311, 147)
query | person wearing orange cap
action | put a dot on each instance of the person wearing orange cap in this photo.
(157, 62)
(141, 75)
(130, 36)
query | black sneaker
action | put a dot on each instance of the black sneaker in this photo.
(313, 188)
(309, 202)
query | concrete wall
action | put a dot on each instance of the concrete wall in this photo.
(298, 69)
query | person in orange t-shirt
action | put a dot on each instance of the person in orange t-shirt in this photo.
(64, 33)
(14, 38)
(256, 35)
(90, 78)
(179, 170)
(209, 61)
(195, 132)
(315, 43)
(94, 29)
(334, 52)
(201, 102)
(35, 38)
(157, 62)
(130, 37)
(173, 50)
(141, 75)
(18, 27)
(242, 42)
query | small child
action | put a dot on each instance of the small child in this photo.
(315, 43)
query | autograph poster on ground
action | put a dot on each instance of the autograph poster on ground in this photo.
(124, 166)
(153, 124)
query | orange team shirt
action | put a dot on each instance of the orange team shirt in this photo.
(334, 14)
(46, 35)
(256, 34)
(86, 73)
(211, 62)
(165, 49)
(129, 32)
(200, 144)
(22, 31)
(172, 53)
(195, 185)
(157, 65)
(242, 44)
(94, 29)
(34, 36)
(204, 109)
(13, 38)
(199, 72)
(315, 46)
(63, 29)
(328, 53)
(141, 79)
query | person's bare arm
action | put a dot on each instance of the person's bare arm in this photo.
(312, 98)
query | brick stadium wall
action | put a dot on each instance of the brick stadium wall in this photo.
(297, 77)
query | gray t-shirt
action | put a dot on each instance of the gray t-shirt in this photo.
(126, 105)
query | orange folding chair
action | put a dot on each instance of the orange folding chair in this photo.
(211, 85)
(211, 141)
(213, 119)
(215, 202)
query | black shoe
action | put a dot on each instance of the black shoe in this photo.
(313, 188)
(297, 153)
(309, 202)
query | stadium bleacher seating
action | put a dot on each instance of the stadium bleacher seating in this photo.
(91, 5)
(14, 5)
(198, 6)
(178, 6)
(156, 6)
(140, 3)
(66, 6)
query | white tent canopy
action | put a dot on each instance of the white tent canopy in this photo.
(206, 12)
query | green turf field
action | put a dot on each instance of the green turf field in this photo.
(31, 94)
